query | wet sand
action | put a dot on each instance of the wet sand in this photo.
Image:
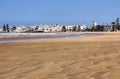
(25, 37)
(95, 57)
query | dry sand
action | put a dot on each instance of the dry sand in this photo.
(79, 58)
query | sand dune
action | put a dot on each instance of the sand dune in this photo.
(95, 57)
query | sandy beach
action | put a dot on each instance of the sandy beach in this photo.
(95, 57)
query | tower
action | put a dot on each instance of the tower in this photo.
(94, 23)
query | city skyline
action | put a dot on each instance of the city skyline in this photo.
(63, 11)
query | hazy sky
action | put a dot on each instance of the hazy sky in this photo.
(23, 12)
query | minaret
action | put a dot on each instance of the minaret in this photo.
(94, 23)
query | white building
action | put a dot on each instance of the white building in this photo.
(69, 28)
(83, 27)
(19, 29)
(94, 23)
(56, 28)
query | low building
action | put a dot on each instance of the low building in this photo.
(83, 27)
(108, 27)
(19, 29)
(56, 28)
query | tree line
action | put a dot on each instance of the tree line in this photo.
(6, 28)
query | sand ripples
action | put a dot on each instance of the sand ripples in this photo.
(86, 61)
(96, 68)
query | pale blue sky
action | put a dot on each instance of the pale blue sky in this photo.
(26, 12)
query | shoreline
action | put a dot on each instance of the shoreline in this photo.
(17, 36)
(25, 38)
